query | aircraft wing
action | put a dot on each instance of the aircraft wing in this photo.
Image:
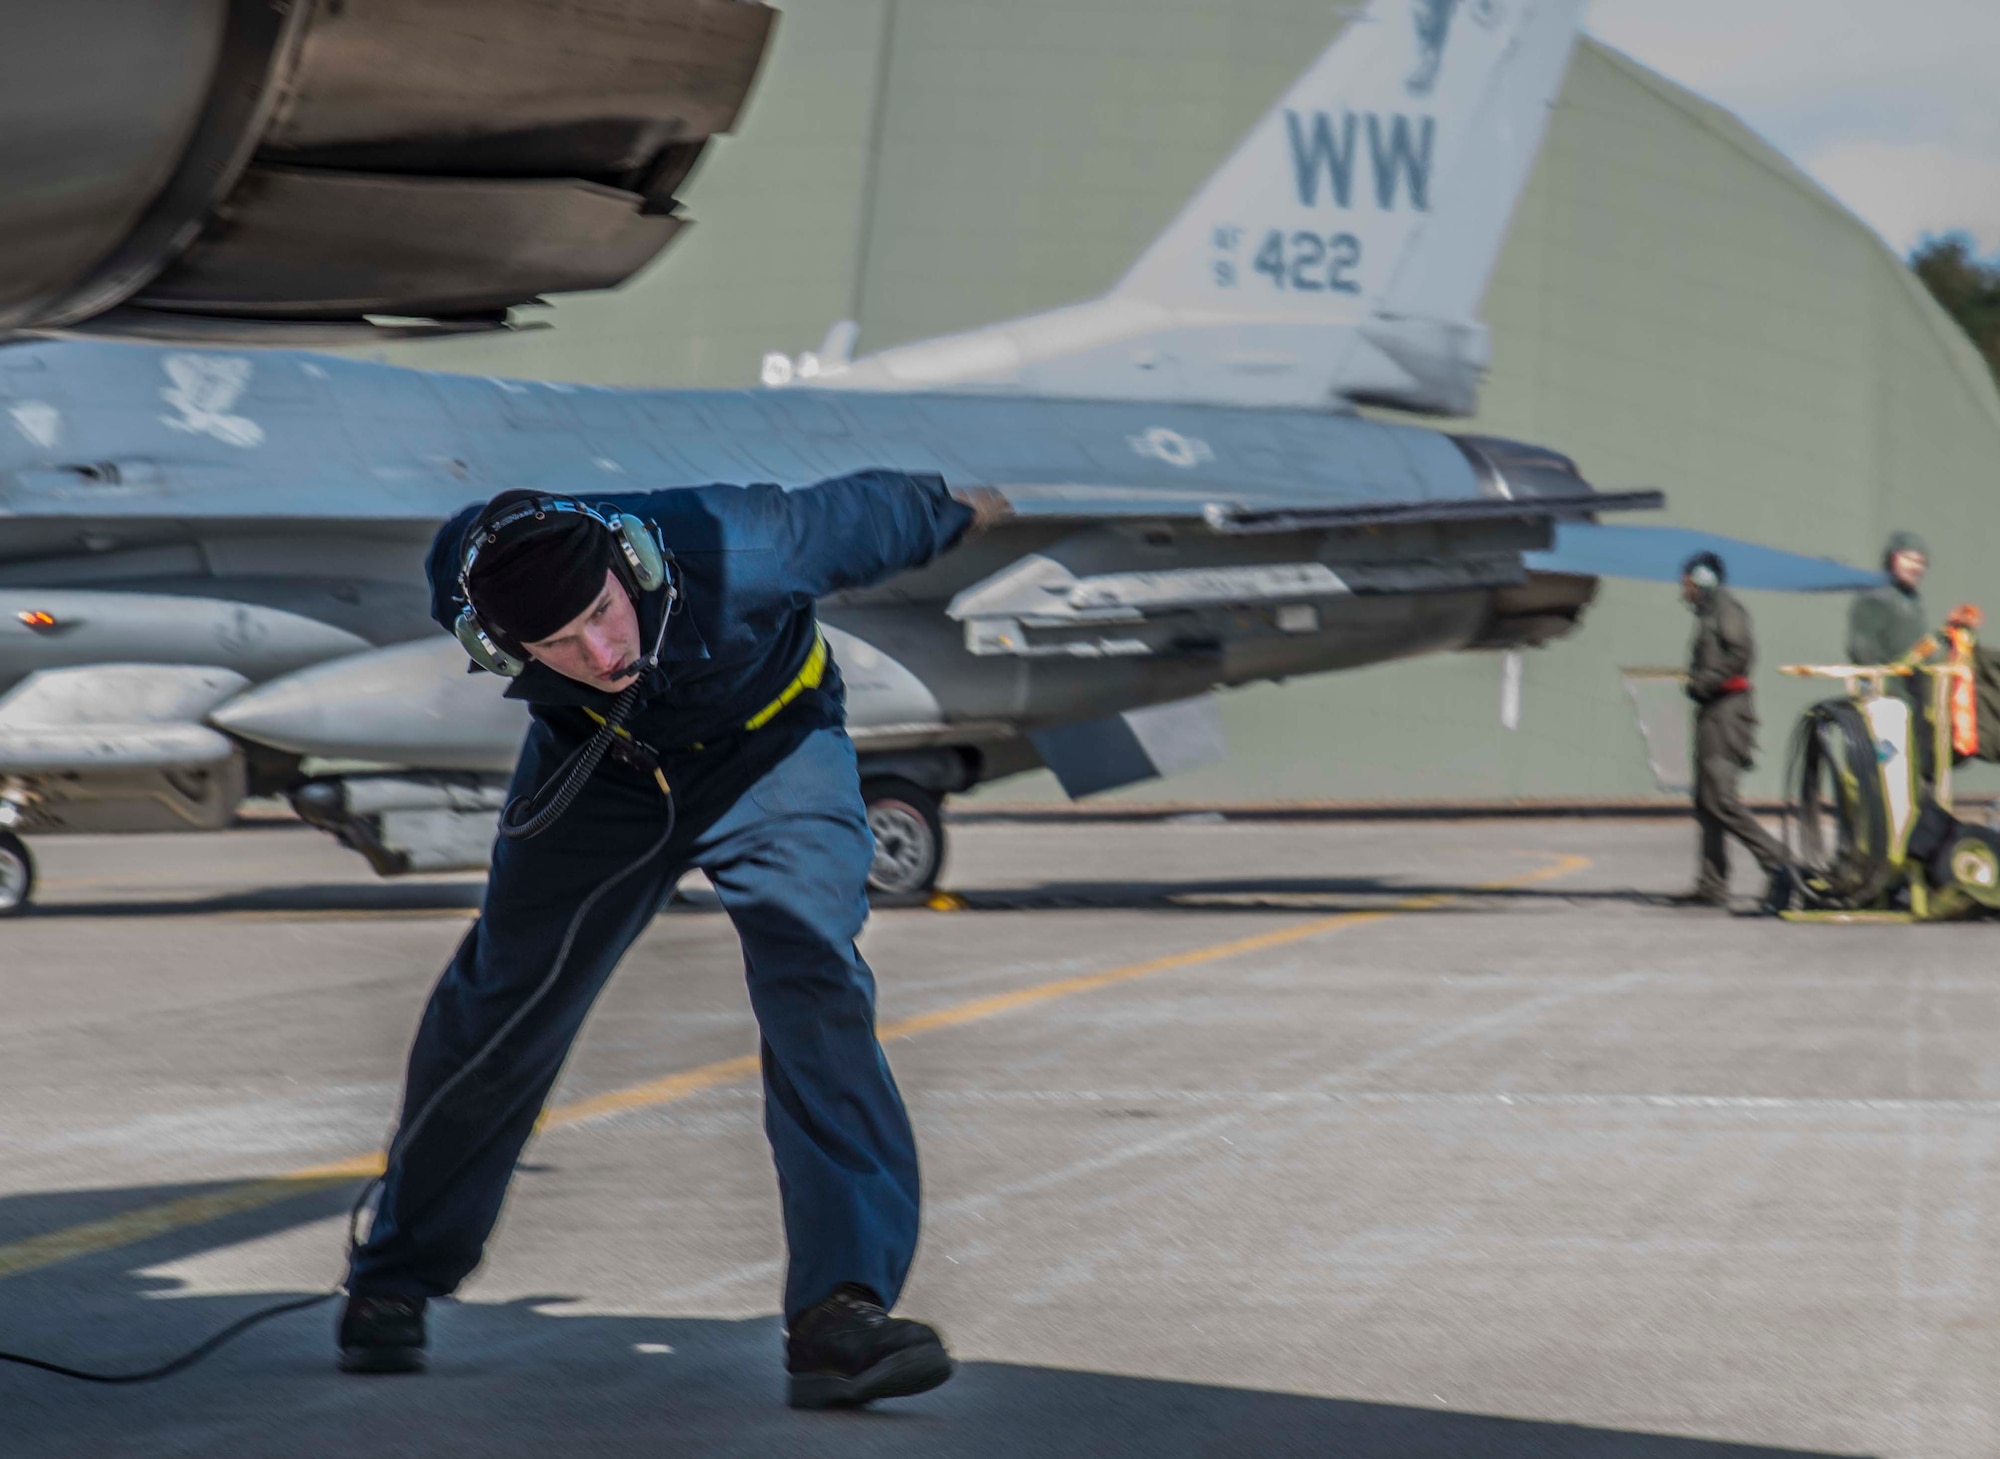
(1655, 555)
(1234, 513)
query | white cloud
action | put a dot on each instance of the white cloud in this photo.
(1888, 105)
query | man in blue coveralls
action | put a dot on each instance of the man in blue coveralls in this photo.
(737, 722)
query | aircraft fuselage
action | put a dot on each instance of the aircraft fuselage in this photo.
(267, 514)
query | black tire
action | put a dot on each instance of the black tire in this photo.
(1969, 860)
(17, 875)
(909, 841)
(1841, 814)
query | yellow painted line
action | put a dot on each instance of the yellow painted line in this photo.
(655, 1091)
(150, 1221)
(999, 1003)
(360, 1167)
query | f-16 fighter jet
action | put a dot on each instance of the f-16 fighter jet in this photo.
(211, 562)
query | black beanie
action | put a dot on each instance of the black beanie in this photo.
(1708, 560)
(541, 574)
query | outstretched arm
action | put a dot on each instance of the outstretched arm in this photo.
(859, 529)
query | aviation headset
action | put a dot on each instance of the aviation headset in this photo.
(641, 562)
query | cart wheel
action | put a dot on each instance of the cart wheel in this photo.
(909, 841)
(1970, 861)
(17, 875)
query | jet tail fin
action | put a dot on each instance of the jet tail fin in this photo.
(1337, 257)
(1371, 201)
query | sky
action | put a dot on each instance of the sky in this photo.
(1891, 104)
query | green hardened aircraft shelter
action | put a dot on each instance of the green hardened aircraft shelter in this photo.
(1677, 307)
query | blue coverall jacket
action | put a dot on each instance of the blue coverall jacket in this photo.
(749, 561)
(773, 816)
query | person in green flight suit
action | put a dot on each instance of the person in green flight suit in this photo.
(1885, 623)
(1725, 736)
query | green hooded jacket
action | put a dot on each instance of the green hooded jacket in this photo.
(1884, 623)
(1724, 648)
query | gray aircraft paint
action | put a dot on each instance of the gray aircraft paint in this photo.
(358, 441)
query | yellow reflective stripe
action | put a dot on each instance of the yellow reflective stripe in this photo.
(809, 678)
(618, 730)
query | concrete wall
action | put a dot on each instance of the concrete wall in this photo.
(1676, 307)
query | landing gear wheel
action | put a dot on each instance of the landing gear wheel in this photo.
(909, 841)
(17, 875)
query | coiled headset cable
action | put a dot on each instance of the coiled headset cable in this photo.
(521, 818)
(572, 777)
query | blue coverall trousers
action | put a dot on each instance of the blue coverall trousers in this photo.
(778, 825)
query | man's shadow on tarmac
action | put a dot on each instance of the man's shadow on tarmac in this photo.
(518, 1378)
(332, 899)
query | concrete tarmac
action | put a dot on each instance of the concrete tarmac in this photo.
(1388, 1141)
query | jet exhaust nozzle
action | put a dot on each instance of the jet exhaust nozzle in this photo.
(217, 170)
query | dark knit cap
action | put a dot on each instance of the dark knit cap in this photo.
(541, 573)
(1708, 560)
(1905, 542)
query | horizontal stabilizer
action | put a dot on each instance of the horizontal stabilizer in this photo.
(1140, 744)
(1655, 555)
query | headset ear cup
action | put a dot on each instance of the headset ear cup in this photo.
(482, 650)
(642, 552)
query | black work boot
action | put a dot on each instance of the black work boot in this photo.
(847, 1351)
(1781, 893)
(382, 1335)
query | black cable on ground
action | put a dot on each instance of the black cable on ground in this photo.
(187, 1359)
(568, 792)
